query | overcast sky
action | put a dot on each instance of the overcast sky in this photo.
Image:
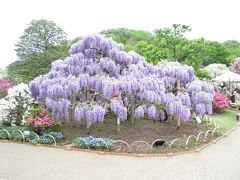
(212, 19)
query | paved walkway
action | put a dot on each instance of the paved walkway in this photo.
(219, 161)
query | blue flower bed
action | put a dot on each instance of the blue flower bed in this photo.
(31, 137)
(44, 139)
(56, 135)
(94, 143)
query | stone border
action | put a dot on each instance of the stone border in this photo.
(131, 154)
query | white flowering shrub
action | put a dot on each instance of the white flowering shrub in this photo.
(216, 69)
(16, 105)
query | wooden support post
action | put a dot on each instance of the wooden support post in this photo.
(132, 111)
(118, 126)
(178, 123)
(88, 129)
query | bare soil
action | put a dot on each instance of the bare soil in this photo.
(144, 130)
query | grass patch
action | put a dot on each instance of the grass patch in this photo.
(192, 144)
(226, 119)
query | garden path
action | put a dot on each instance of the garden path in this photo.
(219, 161)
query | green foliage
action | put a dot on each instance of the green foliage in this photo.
(171, 39)
(233, 48)
(3, 134)
(39, 36)
(202, 74)
(41, 43)
(226, 119)
(170, 44)
(16, 136)
(127, 36)
(216, 53)
(40, 63)
(192, 144)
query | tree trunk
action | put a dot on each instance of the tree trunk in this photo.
(174, 52)
(178, 118)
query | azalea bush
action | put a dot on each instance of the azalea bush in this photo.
(40, 121)
(220, 101)
(4, 86)
(16, 105)
(94, 143)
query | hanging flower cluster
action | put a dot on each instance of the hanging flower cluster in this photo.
(99, 77)
(201, 95)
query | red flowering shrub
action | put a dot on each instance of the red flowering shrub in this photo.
(4, 86)
(40, 121)
(220, 101)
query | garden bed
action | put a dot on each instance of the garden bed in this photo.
(140, 138)
(149, 131)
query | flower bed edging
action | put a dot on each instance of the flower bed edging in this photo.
(134, 155)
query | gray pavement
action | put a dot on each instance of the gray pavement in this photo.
(219, 161)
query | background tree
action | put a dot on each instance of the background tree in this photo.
(41, 43)
(216, 53)
(128, 37)
(233, 48)
(39, 36)
(171, 38)
(170, 44)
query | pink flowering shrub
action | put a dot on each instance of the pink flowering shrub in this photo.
(40, 121)
(4, 86)
(220, 101)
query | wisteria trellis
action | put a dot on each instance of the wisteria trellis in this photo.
(99, 77)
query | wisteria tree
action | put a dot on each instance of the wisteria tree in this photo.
(99, 77)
